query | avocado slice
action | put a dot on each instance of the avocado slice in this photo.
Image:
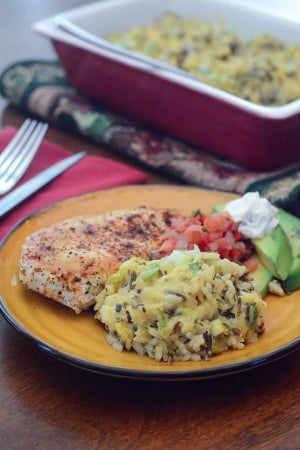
(292, 282)
(261, 278)
(274, 249)
(275, 252)
(291, 226)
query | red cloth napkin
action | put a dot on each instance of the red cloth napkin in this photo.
(89, 174)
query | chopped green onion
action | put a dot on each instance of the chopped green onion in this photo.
(150, 272)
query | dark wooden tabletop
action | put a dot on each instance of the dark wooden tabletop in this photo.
(46, 404)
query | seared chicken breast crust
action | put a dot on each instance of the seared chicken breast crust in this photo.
(70, 261)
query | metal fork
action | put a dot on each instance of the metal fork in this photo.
(18, 154)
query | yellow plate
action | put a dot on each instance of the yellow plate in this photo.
(80, 339)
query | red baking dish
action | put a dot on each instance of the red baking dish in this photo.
(258, 137)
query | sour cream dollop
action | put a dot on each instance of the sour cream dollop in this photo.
(256, 215)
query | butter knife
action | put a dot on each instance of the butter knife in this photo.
(31, 186)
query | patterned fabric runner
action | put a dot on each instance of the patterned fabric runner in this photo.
(41, 88)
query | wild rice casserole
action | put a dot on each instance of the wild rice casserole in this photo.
(187, 306)
(262, 70)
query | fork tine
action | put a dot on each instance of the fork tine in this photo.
(26, 152)
(20, 152)
(9, 152)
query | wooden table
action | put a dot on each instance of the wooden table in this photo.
(46, 404)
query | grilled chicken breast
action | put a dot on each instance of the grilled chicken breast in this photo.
(70, 261)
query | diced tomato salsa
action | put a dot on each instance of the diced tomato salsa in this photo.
(212, 233)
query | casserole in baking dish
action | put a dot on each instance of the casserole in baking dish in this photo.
(257, 136)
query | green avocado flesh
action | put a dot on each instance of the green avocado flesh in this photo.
(291, 226)
(292, 282)
(275, 252)
(261, 278)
